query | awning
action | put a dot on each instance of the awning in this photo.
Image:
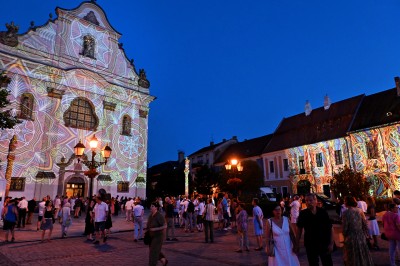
(104, 178)
(48, 175)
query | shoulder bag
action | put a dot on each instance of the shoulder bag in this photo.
(271, 242)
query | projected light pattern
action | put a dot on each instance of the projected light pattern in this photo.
(54, 61)
(383, 171)
(317, 176)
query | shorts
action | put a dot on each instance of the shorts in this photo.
(99, 226)
(8, 225)
(40, 218)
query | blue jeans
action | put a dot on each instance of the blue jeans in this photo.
(138, 226)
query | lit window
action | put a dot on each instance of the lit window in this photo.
(372, 150)
(17, 184)
(80, 114)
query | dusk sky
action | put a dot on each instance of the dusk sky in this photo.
(236, 68)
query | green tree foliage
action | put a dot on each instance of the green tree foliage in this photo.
(348, 182)
(251, 180)
(206, 178)
(7, 120)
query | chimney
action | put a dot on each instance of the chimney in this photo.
(223, 140)
(397, 81)
(307, 108)
(211, 143)
(181, 156)
(327, 102)
(234, 138)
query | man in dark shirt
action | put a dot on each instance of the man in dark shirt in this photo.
(31, 210)
(169, 217)
(318, 235)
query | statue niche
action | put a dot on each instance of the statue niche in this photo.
(10, 37)
(88, 47)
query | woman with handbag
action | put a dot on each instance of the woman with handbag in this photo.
(280, 240)
(65, 219)
(156, 225)
(391, 226)
(355, 231)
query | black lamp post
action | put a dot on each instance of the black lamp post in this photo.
(235, 167)
(92, 165)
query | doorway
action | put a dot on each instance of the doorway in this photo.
(75, 187)
(303, 187)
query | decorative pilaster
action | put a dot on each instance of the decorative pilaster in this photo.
(10, 162)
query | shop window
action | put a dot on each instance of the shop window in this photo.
(17, 184)
(123, 186)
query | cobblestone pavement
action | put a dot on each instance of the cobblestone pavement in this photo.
(121, 250)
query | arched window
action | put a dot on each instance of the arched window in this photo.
(26, 106)
(81, 114)
(126, 125)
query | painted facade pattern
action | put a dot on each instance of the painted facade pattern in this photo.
(383, 170)
(49, 60)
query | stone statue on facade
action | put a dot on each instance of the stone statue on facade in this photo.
(88, 47)
(10, 37)
(143, 82)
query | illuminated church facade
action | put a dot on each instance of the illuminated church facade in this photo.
(71, 80)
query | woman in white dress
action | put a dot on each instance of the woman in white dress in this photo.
(280, 228)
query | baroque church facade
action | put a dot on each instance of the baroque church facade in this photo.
(70, 80)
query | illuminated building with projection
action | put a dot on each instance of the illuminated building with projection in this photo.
(71, 80)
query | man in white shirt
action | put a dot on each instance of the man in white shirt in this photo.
(362, 204)
(128, 209)
(138, 212)
(294, 212)
(100, 212)
(57, 206)
(42, 206)
(23, 208)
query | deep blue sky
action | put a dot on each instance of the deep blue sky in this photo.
(236, 68)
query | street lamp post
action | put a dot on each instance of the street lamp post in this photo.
(235, 167)
(79, 149)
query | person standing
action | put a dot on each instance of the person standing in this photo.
(128, 210)
(156, 225)
(22, 209)
(169, 217)
(57, 207)
(47, 221)
(373, 228)
(391, 225)
(356, 252)
(241, 222)
(31, 210)
(89, 224)
(294, 212)
(278, 228)
(65, 219)
(318, 232)
(77, 207)
(258, 217)
(100, 212)
(209, 221)
(10, 217)
(138, 212)
(42, 206)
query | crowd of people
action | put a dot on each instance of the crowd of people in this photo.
(279, 235)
